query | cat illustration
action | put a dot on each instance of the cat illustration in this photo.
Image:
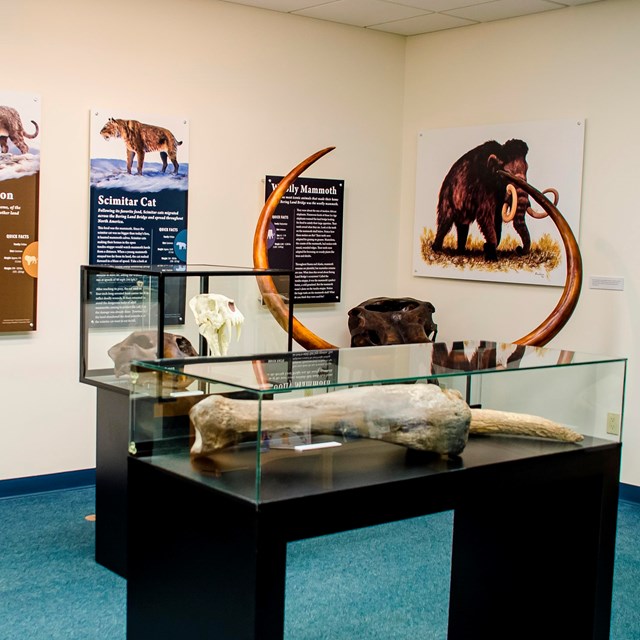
(142, 138)
(11, 128)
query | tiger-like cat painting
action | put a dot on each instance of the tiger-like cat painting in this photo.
(142, 138)
(11, 128)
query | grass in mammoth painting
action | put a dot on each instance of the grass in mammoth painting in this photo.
(545, 253)
(476, 205)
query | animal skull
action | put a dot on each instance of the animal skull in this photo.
(381, 321)
(143, 345)
(216, 316)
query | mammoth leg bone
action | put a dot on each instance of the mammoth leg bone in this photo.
(419, 416)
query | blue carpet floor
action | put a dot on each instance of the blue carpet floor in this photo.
(365, 585)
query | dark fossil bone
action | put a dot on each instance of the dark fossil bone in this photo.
(379, 321)
(143, 345)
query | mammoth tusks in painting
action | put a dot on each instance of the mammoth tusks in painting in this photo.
(420, 416)
(510, 208)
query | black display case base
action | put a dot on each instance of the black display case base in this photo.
(533, 541)
(112, 445)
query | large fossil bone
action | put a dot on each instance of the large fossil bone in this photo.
(418, 416)
(217, 316)
(392, 321)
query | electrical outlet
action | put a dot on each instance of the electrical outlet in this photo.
(613, 424)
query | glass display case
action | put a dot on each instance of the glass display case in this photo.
(282, 426)
(148, 312)
(154, 312)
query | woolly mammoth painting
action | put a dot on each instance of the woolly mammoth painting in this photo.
(473, 222)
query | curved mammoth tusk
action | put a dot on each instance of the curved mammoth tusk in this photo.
(509, 211)
(560, 315)
(303, 336)
(538, 215)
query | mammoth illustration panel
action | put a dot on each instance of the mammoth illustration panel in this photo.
(472, 223)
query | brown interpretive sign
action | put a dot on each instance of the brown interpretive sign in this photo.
(19, 189)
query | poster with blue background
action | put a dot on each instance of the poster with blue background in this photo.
(139, 189)
(139, 183)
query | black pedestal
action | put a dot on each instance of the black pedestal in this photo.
(112, 444)
(533, 542)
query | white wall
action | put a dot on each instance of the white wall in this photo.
(579, 62)
(262, 91)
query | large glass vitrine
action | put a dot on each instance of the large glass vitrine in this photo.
(148, 312)
(218, 486)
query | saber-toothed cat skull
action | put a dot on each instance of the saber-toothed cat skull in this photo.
(216, 316)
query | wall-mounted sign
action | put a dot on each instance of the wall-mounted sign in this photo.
(19, 189)
(305, 234)
(139, 189)
(139, 195)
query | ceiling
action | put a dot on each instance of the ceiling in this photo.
(412, 17)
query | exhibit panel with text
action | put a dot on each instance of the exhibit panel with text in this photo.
(139, 183)
(20, 135)
(305, 234)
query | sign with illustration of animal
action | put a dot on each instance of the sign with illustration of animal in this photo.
(20, 136)
(473, 222)
(140, 139)
(138, 208)
(139, 183)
